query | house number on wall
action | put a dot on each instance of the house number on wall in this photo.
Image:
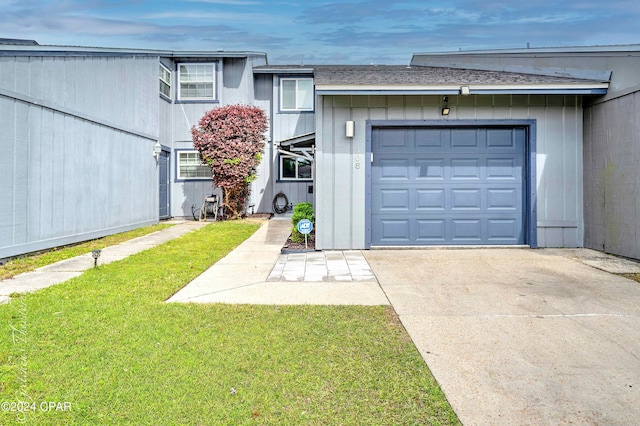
(357, 158)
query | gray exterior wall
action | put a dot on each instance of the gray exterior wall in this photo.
(262, 189)
(235, 85)
(76, 136)
(611, 128)
(283, 125)
(612, 192)
(340, 171)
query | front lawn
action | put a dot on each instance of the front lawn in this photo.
(32, 261)
(104, 348)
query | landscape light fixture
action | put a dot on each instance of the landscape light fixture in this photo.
(95, 254)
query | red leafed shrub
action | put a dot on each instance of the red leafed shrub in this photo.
(230, 139)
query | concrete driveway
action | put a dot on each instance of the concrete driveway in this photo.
(518, 336)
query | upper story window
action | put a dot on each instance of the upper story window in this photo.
(197, 81)
(190, 166)
(165, 81)
(296, 94)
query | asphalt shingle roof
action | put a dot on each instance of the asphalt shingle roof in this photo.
(403, 75)
(424, 75)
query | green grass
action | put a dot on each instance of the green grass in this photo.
(106, 343)
(33, 261)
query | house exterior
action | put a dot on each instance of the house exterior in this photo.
(79, 131)
(529, 147)
(610, 132)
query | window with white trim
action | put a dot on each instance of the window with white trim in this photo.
(196, 81)
(190, 166)
(165, 81)
(296, 94)
(295, 168)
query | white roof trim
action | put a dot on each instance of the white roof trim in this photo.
(297, 139)
(456, 87)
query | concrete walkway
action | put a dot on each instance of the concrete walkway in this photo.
(64, 270)
(256, 273)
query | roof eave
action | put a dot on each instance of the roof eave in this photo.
(550, 89)
(283, 71)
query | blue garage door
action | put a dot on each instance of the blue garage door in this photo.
(448, 186)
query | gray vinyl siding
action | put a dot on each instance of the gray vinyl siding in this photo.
(612, 156)
(115, 89)
(235, 85)
(76, 136)
(341, 202)
(287, 125)
(262, 189)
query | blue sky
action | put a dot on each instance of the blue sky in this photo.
(321, 31)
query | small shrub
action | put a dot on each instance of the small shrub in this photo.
(301, 211)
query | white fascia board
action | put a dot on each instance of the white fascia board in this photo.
(580, 88)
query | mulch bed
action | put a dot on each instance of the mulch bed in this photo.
(291, 247)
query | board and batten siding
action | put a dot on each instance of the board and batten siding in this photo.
(612, 174)
(76, 149)
(262, 188)
(287, 125)
(234, 85)
(340, 208)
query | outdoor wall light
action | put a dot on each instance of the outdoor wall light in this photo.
(465, 91)
(350, 129)
(95, 254)
(157, 149)
(446, 111)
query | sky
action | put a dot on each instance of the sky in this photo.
(321, 31)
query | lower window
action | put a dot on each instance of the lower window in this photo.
(190, 166)
(295, 168)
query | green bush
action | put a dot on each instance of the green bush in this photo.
(301, 211)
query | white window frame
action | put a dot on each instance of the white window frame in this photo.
(165, 78)
(298, 100)
(201, 167)
(211, 81)
(296, 178)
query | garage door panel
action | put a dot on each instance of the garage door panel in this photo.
(394, 169)
(432, 168)
(448, 187)
(504, 231)
(503, 168)
(394, 199)
(466, 231)
(393, 139)
(465, 168)
(430, 138)
(430, 199)
(431, 231)
(394, 231)
(501, 139)
(465, 139)
(465, 199)
(503, 199)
